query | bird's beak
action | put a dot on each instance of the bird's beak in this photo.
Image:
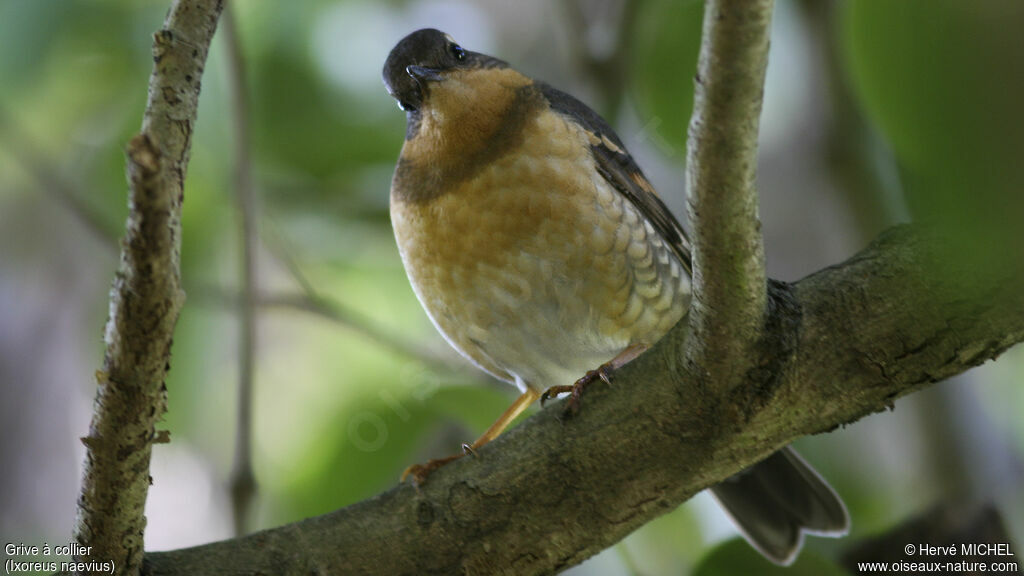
(422, 74)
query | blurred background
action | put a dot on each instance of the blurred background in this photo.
(876, 112)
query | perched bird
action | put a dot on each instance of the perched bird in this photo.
(539, 250)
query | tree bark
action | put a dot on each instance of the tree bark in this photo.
(840, 344)
(729, 281)
(144, 302)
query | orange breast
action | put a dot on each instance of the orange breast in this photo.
(535, 268)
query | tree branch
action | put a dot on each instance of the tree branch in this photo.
(729, 282)
(145, 299)
(841, 344)
(243, 481)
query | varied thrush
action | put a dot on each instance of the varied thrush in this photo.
(539, 250)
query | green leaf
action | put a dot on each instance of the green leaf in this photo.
(937, 75)
(942, 80)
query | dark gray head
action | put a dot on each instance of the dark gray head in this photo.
(420, 58)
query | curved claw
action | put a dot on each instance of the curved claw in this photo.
(417, 472)
(554, 391)
(420, 472)
(604, 372)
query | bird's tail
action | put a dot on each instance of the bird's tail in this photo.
(777, 500)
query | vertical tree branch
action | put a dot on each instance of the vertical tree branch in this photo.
(145, 299)
(728, 309)
(243, 481)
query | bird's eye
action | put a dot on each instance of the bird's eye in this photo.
(458, 52)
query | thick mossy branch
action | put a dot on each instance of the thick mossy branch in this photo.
(840, 344)
(145, 299)
(729, 282)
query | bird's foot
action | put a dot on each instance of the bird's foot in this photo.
(604, 372)
(575, 391)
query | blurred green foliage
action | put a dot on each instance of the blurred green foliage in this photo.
(665, 64)
(943, 81)
(338, 417)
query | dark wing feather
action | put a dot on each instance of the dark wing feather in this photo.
(622, 172)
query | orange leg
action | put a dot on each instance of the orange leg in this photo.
(419, 472)
(603, 372)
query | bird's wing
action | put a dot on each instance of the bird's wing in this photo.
(620, 170)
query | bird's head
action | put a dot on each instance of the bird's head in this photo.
(419, 60)
(425, 59)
